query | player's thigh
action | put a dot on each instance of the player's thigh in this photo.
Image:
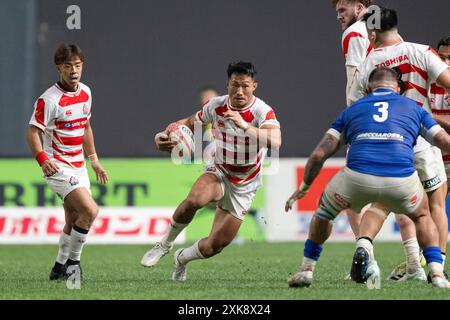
(207, 188)
(236, 201)
(403, 195)
(430, 168)
(225, 227)
(81, 200)
(346, 190)
(70, 212)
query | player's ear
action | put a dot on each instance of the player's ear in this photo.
(255, 85)
(359, 8)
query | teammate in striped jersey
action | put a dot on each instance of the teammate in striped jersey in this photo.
(439, 98)
(355, 42)
(415, 64)
(61, 117)
(355, 46)
(244, 127)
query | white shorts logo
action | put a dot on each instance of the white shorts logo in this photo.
(73, 181)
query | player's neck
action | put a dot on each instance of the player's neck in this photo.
(66, 87)
(389, 40)
(252, 99)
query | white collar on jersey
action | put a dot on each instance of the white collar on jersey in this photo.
(243, 109)
(68, 93)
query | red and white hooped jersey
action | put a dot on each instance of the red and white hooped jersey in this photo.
(439, 100)
(62, 116)
(237, 156)
(355, 44)
(418, 65)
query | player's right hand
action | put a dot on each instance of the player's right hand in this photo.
(49, 168)
(163, 143)
(293, 198)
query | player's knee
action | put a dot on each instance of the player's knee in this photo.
(90, 212)
(196, 201)
(404, 221)
(437, 209)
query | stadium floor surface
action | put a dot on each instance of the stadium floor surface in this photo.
(254, 270)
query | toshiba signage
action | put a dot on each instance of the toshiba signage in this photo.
(125, 225)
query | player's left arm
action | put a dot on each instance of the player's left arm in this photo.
(89, 149)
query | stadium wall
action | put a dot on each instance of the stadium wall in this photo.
(146, 61)
(137, 203)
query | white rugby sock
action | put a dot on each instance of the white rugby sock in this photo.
(63, 252)
(77, 240)
(175, 229)
(191, 253)
(436, 268)
(366, 244)
(308, 264)
(412, 252)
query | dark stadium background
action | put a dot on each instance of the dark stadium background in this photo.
(146, 60)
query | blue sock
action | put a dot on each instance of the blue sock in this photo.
(312, 250)
(432, 254)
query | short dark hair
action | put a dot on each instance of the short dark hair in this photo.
(241, 67)
(444, 42)
(383, 73)
(365, 3)
(65, 52)
(388, 19)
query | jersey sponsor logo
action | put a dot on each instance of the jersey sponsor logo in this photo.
(393, 61)
(380, 136)
(73, 181)
(68, 112)
(427, 184)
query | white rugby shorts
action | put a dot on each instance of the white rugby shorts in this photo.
(68, 179)
(235, 200)
(430, 167)
(353, 190)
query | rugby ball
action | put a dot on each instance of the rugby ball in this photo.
(185, 141)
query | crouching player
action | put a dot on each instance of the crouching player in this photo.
(242, 122)
(386, 123)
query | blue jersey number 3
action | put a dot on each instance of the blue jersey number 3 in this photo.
(383, 110)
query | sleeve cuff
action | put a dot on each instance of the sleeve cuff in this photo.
(271, 122)
(433, 131)
(334, 133)
(38, 125)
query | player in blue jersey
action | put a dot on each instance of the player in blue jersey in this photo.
(381, 129)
